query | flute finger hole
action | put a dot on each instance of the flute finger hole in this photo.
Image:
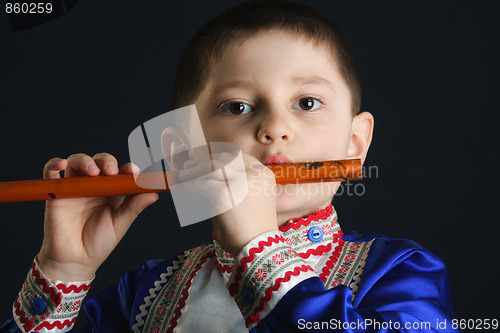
(51, 196)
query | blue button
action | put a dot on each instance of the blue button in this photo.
(315, 234)
(38, 305)
(247, 295)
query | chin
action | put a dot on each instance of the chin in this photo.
(293, 201)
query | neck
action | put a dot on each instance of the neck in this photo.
(285, 216)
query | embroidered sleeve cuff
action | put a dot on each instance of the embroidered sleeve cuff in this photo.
(45, 305)
(264, 271)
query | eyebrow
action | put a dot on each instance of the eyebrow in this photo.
(238, 84)
(296, 80)
(311, 80)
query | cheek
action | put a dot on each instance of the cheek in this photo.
(327, 143)
(222, 136)
(215, 133)
(226, 133)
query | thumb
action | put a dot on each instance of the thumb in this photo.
(130, 209)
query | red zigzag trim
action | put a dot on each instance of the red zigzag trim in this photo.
(320, 250)
(52, 291)
(27, 323)
(253, 318)
(251, 256)
(297, 223)
(55, 297)
(333, 259)
(73, 288)
(57, 323)
(223, 268)
(180, 305)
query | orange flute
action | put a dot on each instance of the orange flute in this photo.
(124, 184)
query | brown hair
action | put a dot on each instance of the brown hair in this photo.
(249, 18)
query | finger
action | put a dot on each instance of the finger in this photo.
(189, 164)
(107, 163)
(129, 168)
(130, 209)
(53, 168)
(80, 165)
(200, 167)
(196, 171)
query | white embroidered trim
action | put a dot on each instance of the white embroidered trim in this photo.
(296, 236)
(166, 307)
(353, 256)
(61, 302)
(158, 285)
(270, 269)
(357, 274)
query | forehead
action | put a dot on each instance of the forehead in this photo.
(273, 36)
(271, 55)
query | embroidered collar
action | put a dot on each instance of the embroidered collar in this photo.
(297, 235)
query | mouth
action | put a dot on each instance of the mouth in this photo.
(277, 159)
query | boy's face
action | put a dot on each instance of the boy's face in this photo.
(277, 94)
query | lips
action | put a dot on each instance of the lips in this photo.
(277, 159)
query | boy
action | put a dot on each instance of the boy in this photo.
(279, 81)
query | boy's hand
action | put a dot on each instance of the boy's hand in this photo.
(255, 215)
(80, 233)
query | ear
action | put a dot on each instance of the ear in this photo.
(174, 147)
(361, 136)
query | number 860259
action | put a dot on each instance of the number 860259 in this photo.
(28, 8)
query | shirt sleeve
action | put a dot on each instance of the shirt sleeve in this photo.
(403, 289)
(44, 305)
(110, 310)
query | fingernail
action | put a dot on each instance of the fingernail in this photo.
(135, 168)
(188, 164)
(92, 167)
(112, 168)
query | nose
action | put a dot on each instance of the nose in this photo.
(274, 127)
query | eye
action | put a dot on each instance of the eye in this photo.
(307, 103)
(236, 108)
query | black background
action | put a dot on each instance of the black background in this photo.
(83, 81)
